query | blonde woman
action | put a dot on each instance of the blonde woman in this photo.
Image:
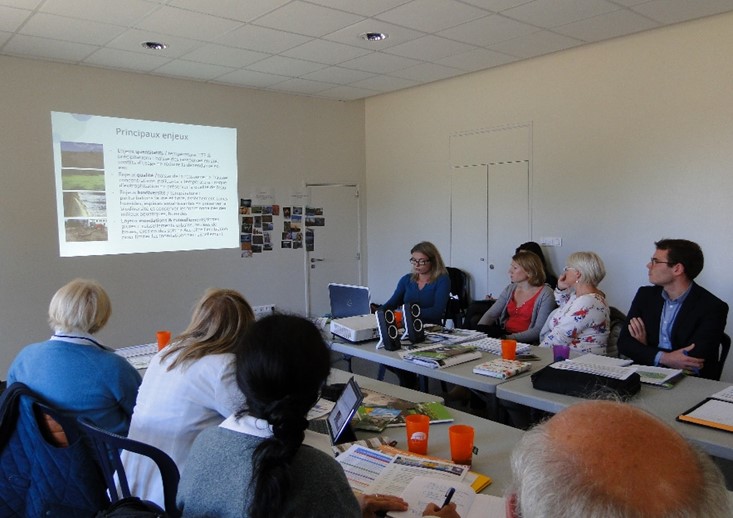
(189, 386)
(72, 370)
(582, 318)
(427, 285)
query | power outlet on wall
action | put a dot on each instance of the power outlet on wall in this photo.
(551, 241)
(263, 311)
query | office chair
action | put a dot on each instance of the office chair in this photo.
(44, 471)
(108, 446)
(618, 319)
(724, 349)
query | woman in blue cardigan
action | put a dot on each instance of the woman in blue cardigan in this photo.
(428, 285)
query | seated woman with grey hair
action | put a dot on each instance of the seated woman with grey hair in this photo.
(72, 370)
(582, 317)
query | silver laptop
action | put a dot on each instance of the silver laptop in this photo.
(348, 301)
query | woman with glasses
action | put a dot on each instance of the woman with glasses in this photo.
(427, 285)
(582, 318)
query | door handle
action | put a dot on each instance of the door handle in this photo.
(317, 259)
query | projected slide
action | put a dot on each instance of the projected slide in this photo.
(130, 186)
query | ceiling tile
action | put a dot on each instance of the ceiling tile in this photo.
(251, 78)
(488, 30)
(126, 60)
(301, 86)
(496, 5)
(385, 83)
(361, 7)
(239, 10)
(551, 13)
(429, 48)
(478, 59)
(132, 40)
(70, 29)
(431, 15)
(191, 70)
(328, 52)
(543, 42)
(262, 39)
(338, 75)
(21, 4)
(607, 26)
(427, 72)
(120, 13)
(179, 22)
(285, 66)
(225, 56)
(673, 11)
(48, 49)
(347, 93)
(351, 35)
(380, 63)
(308, 19)
(11, 18)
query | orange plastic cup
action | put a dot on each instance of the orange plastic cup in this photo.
(461, 443)
(398, 318)
(509, 349)
(418, 429)
(164, 338)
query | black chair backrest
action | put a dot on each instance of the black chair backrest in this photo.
(108, 446)
(724, 350)
(460, 295)
(618, 319)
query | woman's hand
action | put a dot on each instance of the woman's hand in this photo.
(562, 282)
(372, 504)
(449, 511)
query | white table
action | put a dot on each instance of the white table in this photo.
(666, 404)
(494, 441)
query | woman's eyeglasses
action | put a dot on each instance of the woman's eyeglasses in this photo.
(419, 262)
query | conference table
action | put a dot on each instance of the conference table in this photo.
(494, 441)
(666, 404)
(461, 374)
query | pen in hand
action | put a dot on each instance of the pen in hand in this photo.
(448, 497)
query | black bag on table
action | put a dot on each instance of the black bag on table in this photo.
(584, 384)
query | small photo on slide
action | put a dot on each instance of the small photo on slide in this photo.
(83, 230)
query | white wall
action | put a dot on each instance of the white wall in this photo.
(631, 143)
(283, 142)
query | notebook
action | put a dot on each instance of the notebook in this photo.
(348, 301)
(336, 425)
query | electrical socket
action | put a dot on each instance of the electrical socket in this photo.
(263, 311)
(551, 241)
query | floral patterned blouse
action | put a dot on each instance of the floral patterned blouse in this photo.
(581, 322)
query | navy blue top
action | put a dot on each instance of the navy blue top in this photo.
(432, 298)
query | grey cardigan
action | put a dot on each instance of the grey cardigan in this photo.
(543, 306)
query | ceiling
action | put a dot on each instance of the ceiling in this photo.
(314, 47)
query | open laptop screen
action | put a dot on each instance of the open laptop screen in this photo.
(348, 301)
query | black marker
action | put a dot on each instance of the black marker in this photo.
(448, 496)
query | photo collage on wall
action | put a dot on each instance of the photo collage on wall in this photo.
(261, 225)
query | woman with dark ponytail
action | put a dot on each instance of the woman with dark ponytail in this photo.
(254, 464)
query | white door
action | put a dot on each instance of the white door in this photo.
(336, 255)
(489, 219)
(469, 228)
(508, 219)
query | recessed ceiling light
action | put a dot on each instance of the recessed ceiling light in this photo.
(374, 36)
(153, 45)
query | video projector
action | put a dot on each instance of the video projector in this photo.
(356, 329)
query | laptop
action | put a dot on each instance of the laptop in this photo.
(336, 425)
(348, 301)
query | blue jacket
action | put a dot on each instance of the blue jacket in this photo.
(38, 479)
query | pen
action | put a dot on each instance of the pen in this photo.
(448, 496)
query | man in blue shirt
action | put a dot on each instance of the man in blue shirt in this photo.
(675, 323)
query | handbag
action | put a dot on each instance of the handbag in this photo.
(584, 384)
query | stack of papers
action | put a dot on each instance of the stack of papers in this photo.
(649, 374)
(502, 369)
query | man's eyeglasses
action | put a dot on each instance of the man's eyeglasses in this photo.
(656, 261)
(419, 262)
